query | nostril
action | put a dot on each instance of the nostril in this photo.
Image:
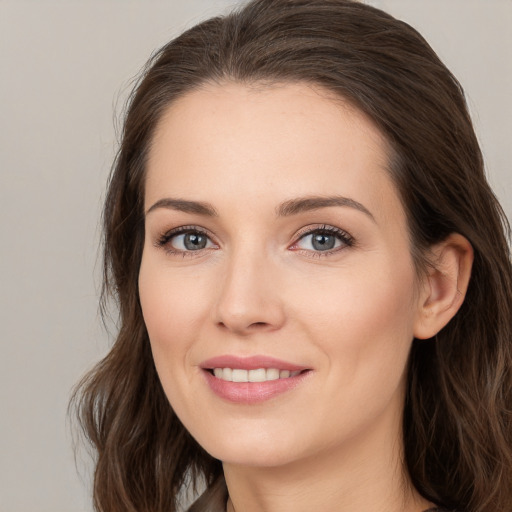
(259, 326)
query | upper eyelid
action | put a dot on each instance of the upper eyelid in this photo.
(301, 232)
(346, 238)
(180, 230)
(163, 239)
(323, 227)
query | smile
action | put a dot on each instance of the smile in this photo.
(257, 375)
(254, 379)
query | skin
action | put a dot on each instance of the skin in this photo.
(333, 443)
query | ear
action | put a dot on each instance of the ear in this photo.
(444, 287)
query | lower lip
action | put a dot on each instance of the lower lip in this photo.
(252, 392)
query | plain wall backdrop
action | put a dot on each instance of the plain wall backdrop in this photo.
(66, 67)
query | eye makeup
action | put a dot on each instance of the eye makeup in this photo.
(318, 241)
(193, 240)
(324, 240)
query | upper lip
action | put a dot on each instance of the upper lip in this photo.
(249, 363)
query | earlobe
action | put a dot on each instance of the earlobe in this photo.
(445, 285)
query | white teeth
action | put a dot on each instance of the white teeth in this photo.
(240, 375)
(273, 374)
(258, 375)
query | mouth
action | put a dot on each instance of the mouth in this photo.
(256, 375)
(252, 380)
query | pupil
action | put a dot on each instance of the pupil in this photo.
(193, 241)
(323, 242)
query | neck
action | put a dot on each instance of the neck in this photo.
(366, 474)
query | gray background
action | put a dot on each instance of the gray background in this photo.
(65, 69)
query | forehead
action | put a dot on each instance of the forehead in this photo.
(238, 141)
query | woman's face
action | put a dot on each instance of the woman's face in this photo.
(276, 251)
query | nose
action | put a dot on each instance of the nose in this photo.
(249, 299)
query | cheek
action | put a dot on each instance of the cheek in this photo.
(173, 309)
(363, 321)
(363, 327)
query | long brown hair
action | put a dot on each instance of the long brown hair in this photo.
(458, 411)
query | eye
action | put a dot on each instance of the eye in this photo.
(189, 241)
(183, 240)
(324, 239)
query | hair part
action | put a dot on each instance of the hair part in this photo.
(457, 424)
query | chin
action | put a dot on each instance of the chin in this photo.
(251, 451)
(255, 458)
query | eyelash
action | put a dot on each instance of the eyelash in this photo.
(165, 238)
(346, 239)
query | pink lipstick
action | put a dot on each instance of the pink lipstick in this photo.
(252, 379)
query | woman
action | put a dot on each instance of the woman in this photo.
(312, 273)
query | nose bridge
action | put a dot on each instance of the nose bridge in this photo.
(248, 295)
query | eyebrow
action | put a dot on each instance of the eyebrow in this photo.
(308, 203)
(183, 205)
(286, 209)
